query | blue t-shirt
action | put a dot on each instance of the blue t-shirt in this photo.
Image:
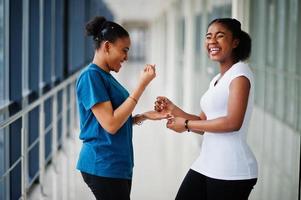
(102, 153)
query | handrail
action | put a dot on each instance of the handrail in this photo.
(25, 147)
(37, 102)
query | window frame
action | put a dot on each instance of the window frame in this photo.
(4, 103)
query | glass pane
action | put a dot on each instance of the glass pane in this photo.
(138, 38)
(274, 30)
(47, 71)
(220, 9)
(2, 87)
(3, 162)
(2, 72)
(34, 28)
(299, 107)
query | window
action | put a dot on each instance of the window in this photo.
(274, 29)
(2, 66)
(59, 41)
(3, 163)
(3, 102)
(15, 93)
(298, 69)
(47, 46)
(33, 79)
(275, 57)
(76, 36)
(138, 38)
(180, 59)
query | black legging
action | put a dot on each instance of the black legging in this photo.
(108, 188)
(196, 186)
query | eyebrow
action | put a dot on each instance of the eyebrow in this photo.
(216, 33)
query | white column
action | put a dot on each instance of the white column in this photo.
(205, 66)
(189, 55)
(162, 50)
(171, 52)
(151, 49)
(158, 47)
(240, 11)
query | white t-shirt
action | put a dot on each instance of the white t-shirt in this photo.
(226, 156)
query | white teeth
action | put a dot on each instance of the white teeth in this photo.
(214, 49)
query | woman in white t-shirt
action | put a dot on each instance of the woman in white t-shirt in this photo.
(226, 168)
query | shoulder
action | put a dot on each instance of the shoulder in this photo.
(91, 73)
(90, 77)
(241, 69)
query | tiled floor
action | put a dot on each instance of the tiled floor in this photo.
(162, 158)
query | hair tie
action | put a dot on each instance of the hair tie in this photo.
(105, 30)
(99, 33)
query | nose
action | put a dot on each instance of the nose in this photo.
(126, 57)
(211, 40)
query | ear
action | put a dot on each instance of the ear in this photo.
(107, 46)
(235, 43)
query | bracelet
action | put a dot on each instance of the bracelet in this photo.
(133, 99)
(139, 123)
(136, 121)
(186, 125)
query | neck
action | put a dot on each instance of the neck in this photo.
(100, 62)
(225, 66)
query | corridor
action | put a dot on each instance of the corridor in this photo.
(43, 47)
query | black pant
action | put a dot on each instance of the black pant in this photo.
(105, 188)
(196, 186)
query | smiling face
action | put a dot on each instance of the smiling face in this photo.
(220, 43)
(117, 53)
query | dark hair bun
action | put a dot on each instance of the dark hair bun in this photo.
(94, 26)
(103, 30)
(243, 51)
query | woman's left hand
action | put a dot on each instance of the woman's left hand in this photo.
(147, 75)
(176, 124)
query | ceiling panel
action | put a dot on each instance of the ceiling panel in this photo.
(136, 10)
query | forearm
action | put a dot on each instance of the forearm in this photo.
(136, 94)
(122, 113)
(219, 125)
(178, 112)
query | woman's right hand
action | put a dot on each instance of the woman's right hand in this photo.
(163, 104)
(154, 115)
(147, 75)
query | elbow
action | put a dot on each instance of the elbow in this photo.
(234, 127)
(111, 130)
(233, 123)
(111, 126)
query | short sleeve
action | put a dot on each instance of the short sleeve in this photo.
(242, 75)
(91, 89)
(242, 69)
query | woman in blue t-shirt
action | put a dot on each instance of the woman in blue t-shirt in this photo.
(105, 110)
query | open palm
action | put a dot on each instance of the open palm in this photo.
(154, 115)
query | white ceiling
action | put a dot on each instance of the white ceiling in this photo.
(136, 10)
